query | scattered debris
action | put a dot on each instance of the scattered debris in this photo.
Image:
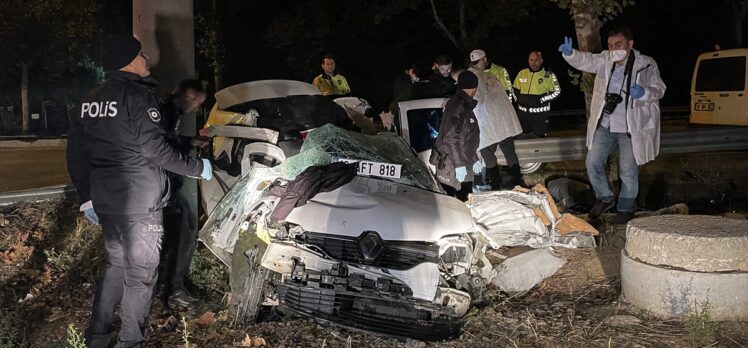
(207, 319)
(622, 320)
(520, 273)
(527, 217)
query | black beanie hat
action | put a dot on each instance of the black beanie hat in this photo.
(467, 80)
(119, 50)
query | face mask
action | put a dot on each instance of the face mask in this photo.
(618, 55)
(444, 69)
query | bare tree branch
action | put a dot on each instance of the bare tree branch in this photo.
(441, 24)
(463, 31)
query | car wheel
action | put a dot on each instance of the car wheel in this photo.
(529, 168)
(248, 279)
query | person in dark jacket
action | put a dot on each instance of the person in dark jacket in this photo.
(440, 80)
(181, 114)
(117, 156)
(455, 149)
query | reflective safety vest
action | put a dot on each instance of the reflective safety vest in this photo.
(500, 73)
(535, 90)
(336, 85)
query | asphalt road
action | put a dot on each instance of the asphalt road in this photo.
(32, 167)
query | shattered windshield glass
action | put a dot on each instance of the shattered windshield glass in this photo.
(326, 142)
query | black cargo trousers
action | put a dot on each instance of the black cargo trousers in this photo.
(133, 244)
(181, 222)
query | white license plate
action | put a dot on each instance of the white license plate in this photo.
(704, 107)
(384, 170)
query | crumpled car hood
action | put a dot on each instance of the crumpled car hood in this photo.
(394, 211)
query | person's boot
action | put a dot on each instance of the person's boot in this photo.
(599, 208)
(182, 298)
(516, 175)
(493, 178)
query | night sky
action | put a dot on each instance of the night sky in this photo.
(673, 32)
(372, 53)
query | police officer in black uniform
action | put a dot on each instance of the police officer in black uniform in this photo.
(117, 156)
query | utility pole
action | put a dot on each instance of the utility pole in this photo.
(167, 31)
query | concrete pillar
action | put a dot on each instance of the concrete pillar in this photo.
(166, 29)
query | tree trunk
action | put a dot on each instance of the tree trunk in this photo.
(587, 27)
(217, 76)
(25, 98)
(441, 25)
(739, 16)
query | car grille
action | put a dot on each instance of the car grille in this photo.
(399, 317)
(393, 254)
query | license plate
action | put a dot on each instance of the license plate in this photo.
(370, 168)
(704, 107)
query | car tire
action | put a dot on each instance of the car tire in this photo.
(529, 168)
(248, 279)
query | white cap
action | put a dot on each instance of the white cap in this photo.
(477, 55)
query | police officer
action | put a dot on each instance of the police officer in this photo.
(180, 116)
(535, 88)
(117, 154)
(329, 82)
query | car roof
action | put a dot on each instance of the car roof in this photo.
(263, 89)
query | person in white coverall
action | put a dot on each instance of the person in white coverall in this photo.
(625, 114)
(497, 121)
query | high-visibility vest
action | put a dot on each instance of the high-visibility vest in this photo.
(536, 83)
(336, 85)
(501, 74)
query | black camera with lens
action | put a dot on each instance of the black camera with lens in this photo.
(611, 101)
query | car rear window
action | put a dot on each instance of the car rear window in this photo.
(721, 75)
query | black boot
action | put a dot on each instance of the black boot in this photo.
(493, 178)
(516, 176)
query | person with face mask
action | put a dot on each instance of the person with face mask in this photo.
(535, 88)
(329, 82)
(624, 115)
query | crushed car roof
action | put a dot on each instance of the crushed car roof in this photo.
(264, 89)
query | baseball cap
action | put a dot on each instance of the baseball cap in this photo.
(476, 55)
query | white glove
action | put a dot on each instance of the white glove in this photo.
(388, 119)
(207, 173)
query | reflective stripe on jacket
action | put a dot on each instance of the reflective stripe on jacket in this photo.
(336, 85)
(536, 89)
(501, 74)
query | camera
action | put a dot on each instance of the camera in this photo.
(611, 101)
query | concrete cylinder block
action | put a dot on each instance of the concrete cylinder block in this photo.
(668, 293)
(692, 242)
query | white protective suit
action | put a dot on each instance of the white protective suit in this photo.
(642, 115)
(497, 119)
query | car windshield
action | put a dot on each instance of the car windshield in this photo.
(324, 144)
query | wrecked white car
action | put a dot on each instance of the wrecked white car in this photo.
(384, 250)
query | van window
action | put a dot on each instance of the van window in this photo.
(423, 127)
(721, 74)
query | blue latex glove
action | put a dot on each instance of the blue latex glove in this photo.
(461, 173)
(566, 48)
(636, 91)
(89, 213)
(207, 173)
(477, 167)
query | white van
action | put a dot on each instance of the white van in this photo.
(718, 88)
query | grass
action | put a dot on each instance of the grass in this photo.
(11, 334)
(699, 324)
(208, 273)
(75, 338)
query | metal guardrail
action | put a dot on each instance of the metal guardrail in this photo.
(687, 141)
(37, 195)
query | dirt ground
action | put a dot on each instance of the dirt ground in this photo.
(49, 257)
